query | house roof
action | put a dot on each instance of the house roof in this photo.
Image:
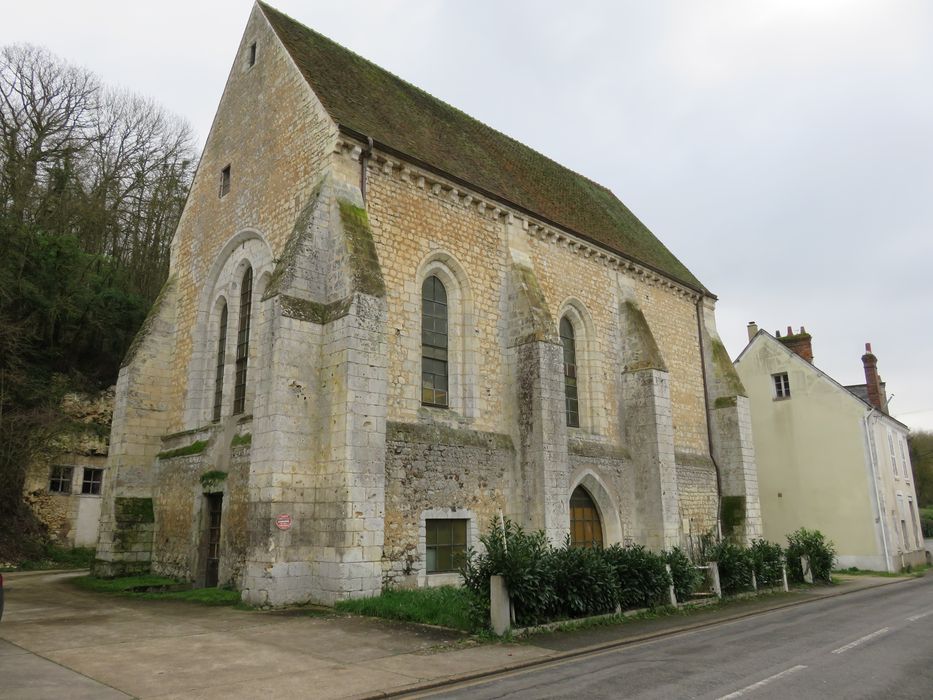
(368, 101)
(764, 336)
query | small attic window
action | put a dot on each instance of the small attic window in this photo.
(251, 55)
(781, 385)
(224, 181)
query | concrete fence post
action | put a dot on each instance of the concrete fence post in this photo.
(672, 594)
(714, 576)
(754, 581)
(499, 606)
(805, 565)
(784, 576)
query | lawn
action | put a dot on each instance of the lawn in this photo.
(445, 606)
(158, 588)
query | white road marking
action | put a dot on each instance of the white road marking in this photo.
(755, 686)
(920, 616)
(861, 640)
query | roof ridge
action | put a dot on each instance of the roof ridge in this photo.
(266, 7)
(364, 98)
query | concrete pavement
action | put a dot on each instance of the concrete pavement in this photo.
(59, 637)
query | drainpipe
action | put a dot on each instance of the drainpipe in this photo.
(364, 158)
(709, 419)
(866, 420)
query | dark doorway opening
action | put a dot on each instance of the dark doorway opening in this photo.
(214, 503)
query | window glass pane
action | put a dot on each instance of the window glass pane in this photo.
(443, 559)
(458, 531)
(431, 559)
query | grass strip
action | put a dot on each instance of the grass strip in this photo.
(445, 606)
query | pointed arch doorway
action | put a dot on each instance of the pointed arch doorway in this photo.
(586, 528)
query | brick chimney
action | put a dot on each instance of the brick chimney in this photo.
(752, 330)
(799, 343)
(876, 395)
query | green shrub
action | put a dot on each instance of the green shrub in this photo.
(643, 579)
(735, 567)
(687, 578)
(522, 559)
(767, 558)
(821, 551)
(583, 581)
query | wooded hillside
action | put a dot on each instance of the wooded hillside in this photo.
(92, 182)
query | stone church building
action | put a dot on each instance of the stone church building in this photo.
(385, 323)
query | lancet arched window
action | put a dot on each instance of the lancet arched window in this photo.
(434, 337)
(571, 400)
(221, 360)
(242, 342)
(586, 529)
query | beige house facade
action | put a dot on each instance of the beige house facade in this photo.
(385, 324)
(829, 457)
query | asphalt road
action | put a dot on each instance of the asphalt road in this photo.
(876, 643)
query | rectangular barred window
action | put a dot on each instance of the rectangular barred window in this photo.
(781, 386)
(60, 479)
(446, 545)
(91, 481)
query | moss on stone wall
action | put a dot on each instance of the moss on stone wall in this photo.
(725, 402)
(211, 478)
(312, 311)
(146, 328)
(437, 434)
(194, 448)
(364, 262)
(541, 324)
(643, 351)
(245, 439)
(301, 232)
(725, 370)
(733, 513)
(133, 511)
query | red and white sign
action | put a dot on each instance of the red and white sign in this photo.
(283, 521)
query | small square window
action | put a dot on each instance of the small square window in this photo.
(252, 55)
(446, 542)
(60, 480)
(224, 181)
(92, 480)
(781, 386)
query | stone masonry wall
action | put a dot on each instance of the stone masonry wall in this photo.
(273, 133)
(431, 468)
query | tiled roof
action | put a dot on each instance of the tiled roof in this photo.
(366, 99)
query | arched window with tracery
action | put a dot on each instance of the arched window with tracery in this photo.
(586, 529)
(434, 344)
(242, 342)
(221, 360)
(571, 399)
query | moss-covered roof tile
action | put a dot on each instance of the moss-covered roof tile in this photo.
(367, 99)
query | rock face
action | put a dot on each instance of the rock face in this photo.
(307, 425)
(64, 482)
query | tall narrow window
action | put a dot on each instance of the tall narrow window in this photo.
(571, 401)
(224, 181)
(586, 529)
(434, 370)
(893, 454)
(252, 54)
(242, 342)
(221, 359)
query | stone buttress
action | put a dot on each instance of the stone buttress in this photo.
(318, 446)
(731, 445)
(648, 430)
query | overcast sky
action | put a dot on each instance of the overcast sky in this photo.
(782, 150)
